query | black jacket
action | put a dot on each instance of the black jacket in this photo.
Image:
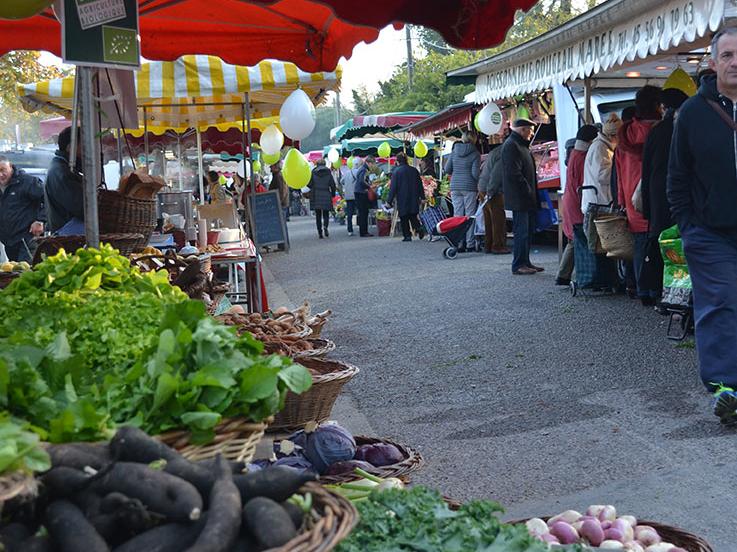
(322, 189)
(655, 156)
(702, 175)
(20, 206)
(64, 193)
(406, 187)
(519, 176)
(492, 173)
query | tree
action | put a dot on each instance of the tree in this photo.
(325, 122)
(15, 68)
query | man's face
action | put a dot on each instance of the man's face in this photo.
(6, 171)
(725, 63)
(526, 132)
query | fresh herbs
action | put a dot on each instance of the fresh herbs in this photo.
(19, 448)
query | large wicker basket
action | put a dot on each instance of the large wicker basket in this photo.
(235, 439)
(128, 215)
(315, 404)
(320, 348)
(331, 520)
(412, 462)
(125, 243)
(615, 236)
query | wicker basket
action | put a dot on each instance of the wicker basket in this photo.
(122, 214)
(331, 520)
(674, 535)
(317, 328)
(217, 294)
(235, 439)
(615, 236)
(315, 404)
(412, 462)
(320, 348)
(125, 243)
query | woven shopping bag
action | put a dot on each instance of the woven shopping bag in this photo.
(616, 238)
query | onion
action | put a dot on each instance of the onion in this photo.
(594, 510)
(614, 534)
(632, 520)
(537, 527)
(608, 513)
(625, 528)
(612, 545)
(592, 532)
(569, 516)
(646, 535)
(565, 532)
(606, 525)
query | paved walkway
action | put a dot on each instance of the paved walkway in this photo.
(511, 388)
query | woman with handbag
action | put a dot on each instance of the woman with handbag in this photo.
(365, 195)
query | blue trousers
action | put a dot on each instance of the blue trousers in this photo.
(712, 263)
(350, 210)
(523, 227)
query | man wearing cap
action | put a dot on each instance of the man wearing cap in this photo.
(519, 182)
(702, 191)
(21, 210)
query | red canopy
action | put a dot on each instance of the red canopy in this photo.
(304, 32)
(452, 117)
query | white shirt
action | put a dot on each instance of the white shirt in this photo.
(597, 173)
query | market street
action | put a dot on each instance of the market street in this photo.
(512, 389)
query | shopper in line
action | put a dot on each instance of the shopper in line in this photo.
(572, 213)
(64, 189)
(406, 188)
(22, 212)
(322, 190)
(463, 168)
(702, 191)
(631, 142)
(361, 192)
(519, 183)
(490, 189)
(655, 205)
(348, 182)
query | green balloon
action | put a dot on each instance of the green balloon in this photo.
(271, 158)
(349, 162)
(296, 170)
(522, 112)
(337, 164)
(420, 149)
(257, 166)
(385, 150)
(476, 121)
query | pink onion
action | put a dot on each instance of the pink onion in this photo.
(565, 532)
(646, 535)
(614, 534)
(592, 532)
(625, 528)
(608, 513)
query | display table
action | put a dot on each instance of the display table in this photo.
(242, 260)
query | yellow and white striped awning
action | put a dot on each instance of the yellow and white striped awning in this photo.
(197, 91)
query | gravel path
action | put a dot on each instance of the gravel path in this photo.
(511, 388)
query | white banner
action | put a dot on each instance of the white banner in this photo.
(656, 30)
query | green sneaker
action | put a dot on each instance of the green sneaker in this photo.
(725, 405)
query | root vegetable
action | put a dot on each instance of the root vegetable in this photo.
(592, 532)
(64, 482)
(550, 539)
(295, 513)
(70, 531)
(569, 516)
(647, 535)
(632, 520)
(268, 522)
(608, 513)
(537, 527)
(634, 546)
(594, 510)
(614, 534)
(172, 537)
(565, 533)
(277, 483)
(224, 514)
(661, 547)
(79, 455)
(625, 528)
(611, 545)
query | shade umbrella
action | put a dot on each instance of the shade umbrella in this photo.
(304, 32)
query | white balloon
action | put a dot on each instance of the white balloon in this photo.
(241, 167)
(297, 115)
(490, 119)
(272, 140)
(333, 155)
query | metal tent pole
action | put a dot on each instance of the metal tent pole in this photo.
(120, 153)
(90, 155)
(145, 137)
(200, 169)
(260, 299)
(179, 158)
(75, 122)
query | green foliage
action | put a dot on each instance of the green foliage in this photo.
(325, 122)
(19, 448)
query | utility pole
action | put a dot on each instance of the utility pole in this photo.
(410, 60)
(337, 109)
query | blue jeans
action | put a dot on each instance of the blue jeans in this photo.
(350, 210)
(641, 241)
(712, 263)
(523, 227)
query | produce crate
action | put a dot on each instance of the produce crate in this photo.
(331, 520)
(412, 462)
(235, 439)
(316, 404)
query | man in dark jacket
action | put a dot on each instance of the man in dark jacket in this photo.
(406, 188)
(361, 192)
(322, 190)
(702, 191)
(64, 191)
(495, 219)
(21, 210)
(519, 182)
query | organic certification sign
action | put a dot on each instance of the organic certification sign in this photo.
(101, 33)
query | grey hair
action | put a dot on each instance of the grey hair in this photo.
(4, 159)
(726, 31)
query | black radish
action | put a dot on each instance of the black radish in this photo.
(79, 455)
(224, 513)
(70, 531)
(37, 544)
(63, 482)
(122, 518)
(172, 537)
(295, 513)
(276, 482)
(268, 522)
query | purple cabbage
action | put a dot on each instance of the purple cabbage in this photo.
(379, 454)
(328, 444)
(296, 462)
(348, 467)
(299, 438)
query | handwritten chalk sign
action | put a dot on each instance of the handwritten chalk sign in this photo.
(268, 218)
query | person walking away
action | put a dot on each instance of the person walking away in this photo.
(349, 194)
(64, 190)
(322, 190)
(22, 213)
(463, 167)
(519, 182)
(571, 205)
(495, 219)
(702, 191)
(631, 142)
(406, 188)
(361, 192)
(656, 209)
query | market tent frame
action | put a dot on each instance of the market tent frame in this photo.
(454, 116)
(360, 126)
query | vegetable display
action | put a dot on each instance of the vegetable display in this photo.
(133, 506)
(88, 342)
(19, 449)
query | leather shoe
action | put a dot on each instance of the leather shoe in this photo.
(537, 268)
(524, 271)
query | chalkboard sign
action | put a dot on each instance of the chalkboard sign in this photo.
(268, 219)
